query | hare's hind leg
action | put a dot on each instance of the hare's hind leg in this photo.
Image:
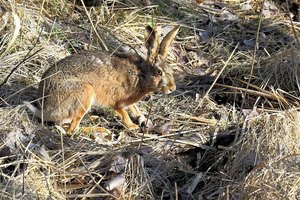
(126, 119)
(84, 99)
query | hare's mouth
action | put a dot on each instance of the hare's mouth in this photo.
(166, 90)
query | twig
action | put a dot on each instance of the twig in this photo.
(254, 52)
(17, 23)
(256, 93)
(291, 20)
(27, 57)
(216, 79)
(93, 26)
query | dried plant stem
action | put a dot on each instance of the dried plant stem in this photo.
(27, 57)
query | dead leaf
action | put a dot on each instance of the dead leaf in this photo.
(163, 129)
(116, 182)
(226, 15)
(118, 164)
(249, 42)
(205, 36)
(250, 113)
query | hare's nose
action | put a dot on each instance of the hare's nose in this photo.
(172, 88)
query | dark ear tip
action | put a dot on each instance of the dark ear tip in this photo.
(148, 28)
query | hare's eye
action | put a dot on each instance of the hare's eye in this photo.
(158, 72)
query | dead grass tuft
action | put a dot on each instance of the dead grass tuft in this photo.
(229, 131)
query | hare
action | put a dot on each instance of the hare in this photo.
(70, 87)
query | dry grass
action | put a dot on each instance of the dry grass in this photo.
(230, 131)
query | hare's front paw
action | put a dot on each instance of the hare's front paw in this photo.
(143, 121)
(133, 127)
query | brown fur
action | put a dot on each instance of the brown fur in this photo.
(70, 87)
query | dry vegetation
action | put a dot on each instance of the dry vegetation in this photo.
(230, 131)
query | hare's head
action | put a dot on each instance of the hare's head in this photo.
(157, 54)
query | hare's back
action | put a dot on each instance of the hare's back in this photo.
(99, 69)
(79, 64)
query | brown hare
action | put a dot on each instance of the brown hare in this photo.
(70, 87)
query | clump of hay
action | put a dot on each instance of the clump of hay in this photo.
(198, 148)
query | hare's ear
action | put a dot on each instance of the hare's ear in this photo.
(166, 42)
(151, 42)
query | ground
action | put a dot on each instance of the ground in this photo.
(229, 131)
